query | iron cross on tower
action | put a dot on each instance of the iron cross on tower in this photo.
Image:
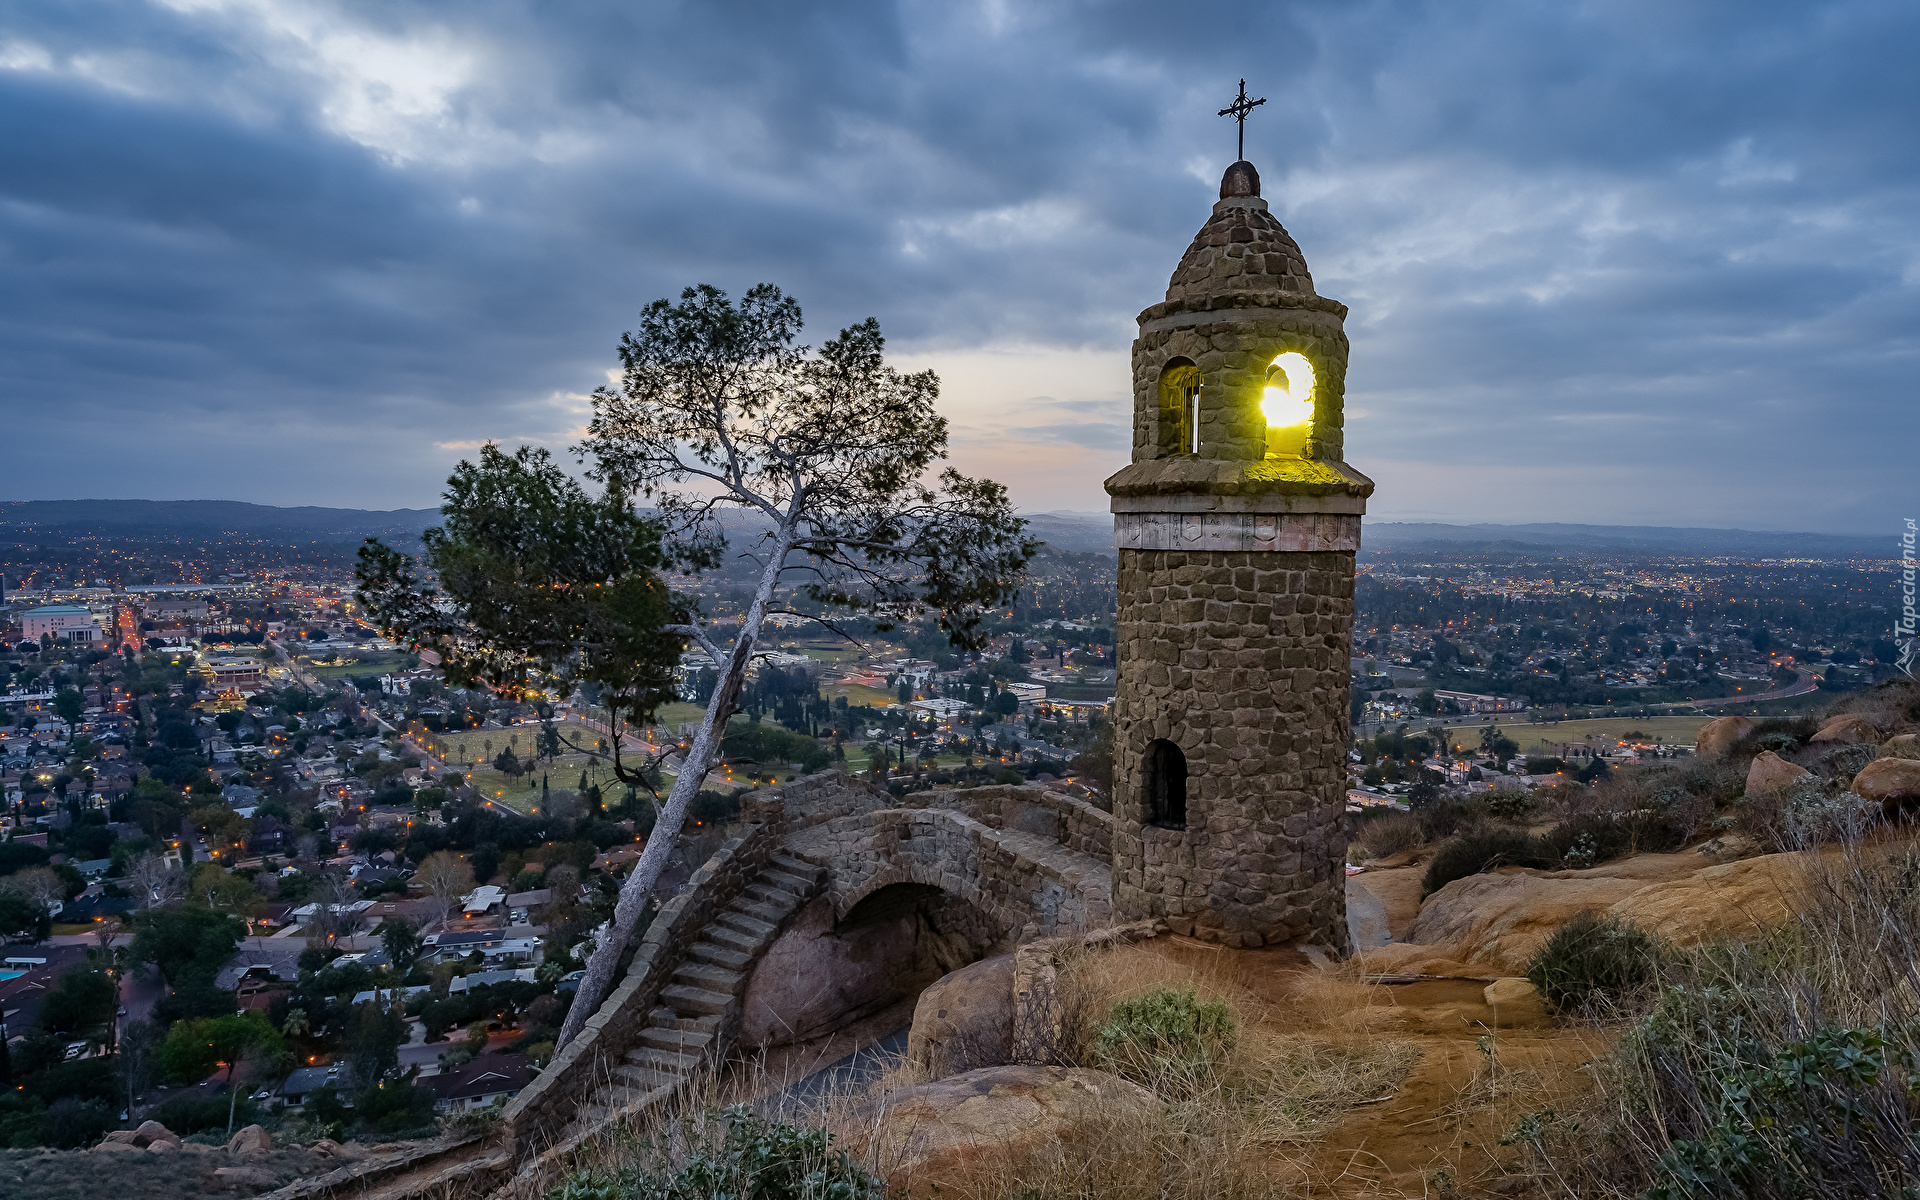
(1238, 110)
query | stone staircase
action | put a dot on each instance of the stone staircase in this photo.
(699, 1009)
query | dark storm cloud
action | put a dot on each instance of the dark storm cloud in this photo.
(1660, 256)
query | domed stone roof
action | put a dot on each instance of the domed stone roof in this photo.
(1241, 249)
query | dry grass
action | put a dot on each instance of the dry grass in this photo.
(1242, 1131)
(1773, 1068)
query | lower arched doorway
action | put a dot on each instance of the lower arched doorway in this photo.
(827, 972)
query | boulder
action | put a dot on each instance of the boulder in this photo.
(118, 1148)
(1516, 1003)
(163, 1148)
(1717, 736)
(1771, 774)
(995, 1119)
(153, 1131)
(1847, 729)
(964, 1020)
(246, 1177)
(1902, 745)
(124, 1136)
(1491, 925)
(251, 1140)
(1893, 782)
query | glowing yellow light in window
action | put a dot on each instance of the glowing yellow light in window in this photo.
(1288, 399)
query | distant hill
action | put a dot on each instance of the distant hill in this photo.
(1400, 537)
(1065, 530)
(21, 518)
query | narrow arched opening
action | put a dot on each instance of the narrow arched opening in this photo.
(1165, 773)
(1179, 408)
(825, 975)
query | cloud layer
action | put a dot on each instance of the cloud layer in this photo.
(1645, 263)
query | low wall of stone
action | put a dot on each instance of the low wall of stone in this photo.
(1028, 883)
(545, 1107)
(814, 800)
(1027, 808)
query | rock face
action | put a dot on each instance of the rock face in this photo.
(151, 1132)
(991, 1119)
(1904, 745)
(1771, 773)
(1493, 924)
(1847, 729)
(964, 1021)
(1717, 735)
(821, 973)
(251, 1140)
(1894, 782)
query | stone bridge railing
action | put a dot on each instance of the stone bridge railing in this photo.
(1029, 884)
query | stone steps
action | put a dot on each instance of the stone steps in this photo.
(720, 956)
(705, 990)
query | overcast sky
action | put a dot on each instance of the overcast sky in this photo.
(1636, 263)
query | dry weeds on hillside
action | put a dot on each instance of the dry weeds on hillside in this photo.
(1239, 1127)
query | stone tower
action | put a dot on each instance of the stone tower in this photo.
(1236, 524)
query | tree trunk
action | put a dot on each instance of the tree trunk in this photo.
(701, 757)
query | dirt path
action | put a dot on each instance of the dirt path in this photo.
(1441, 1125)
(1473, 1082)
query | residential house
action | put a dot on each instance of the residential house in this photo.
(486, 1081)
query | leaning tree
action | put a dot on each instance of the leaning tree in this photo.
(724, 436)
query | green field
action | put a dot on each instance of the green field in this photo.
(859, 695)
(474, 750)
(1541, 738)
(368, 662)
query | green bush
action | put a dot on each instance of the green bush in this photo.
(1444, 818)
(198, 1114)
(1510, 804)
(732, 1153)
(1482, 849)
(71, 1123)
(1593, 958)
(1165, 1036)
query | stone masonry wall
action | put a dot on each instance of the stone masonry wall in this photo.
(1241, 659)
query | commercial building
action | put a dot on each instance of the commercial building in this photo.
(64, 622)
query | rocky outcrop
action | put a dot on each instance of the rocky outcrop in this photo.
(1903, 745)
(1770, 774)
(1491, 925)
(1847, 729)
(994, 1119)
(1717, 736)
(964, 1021)
(1892, 782)
(250, 1140)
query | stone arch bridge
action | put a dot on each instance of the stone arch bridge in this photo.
(834, 901)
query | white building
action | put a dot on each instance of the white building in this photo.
(65, 622)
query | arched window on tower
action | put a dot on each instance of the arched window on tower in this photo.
(1166, 780)
(1287, 404)
(1179, 408)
